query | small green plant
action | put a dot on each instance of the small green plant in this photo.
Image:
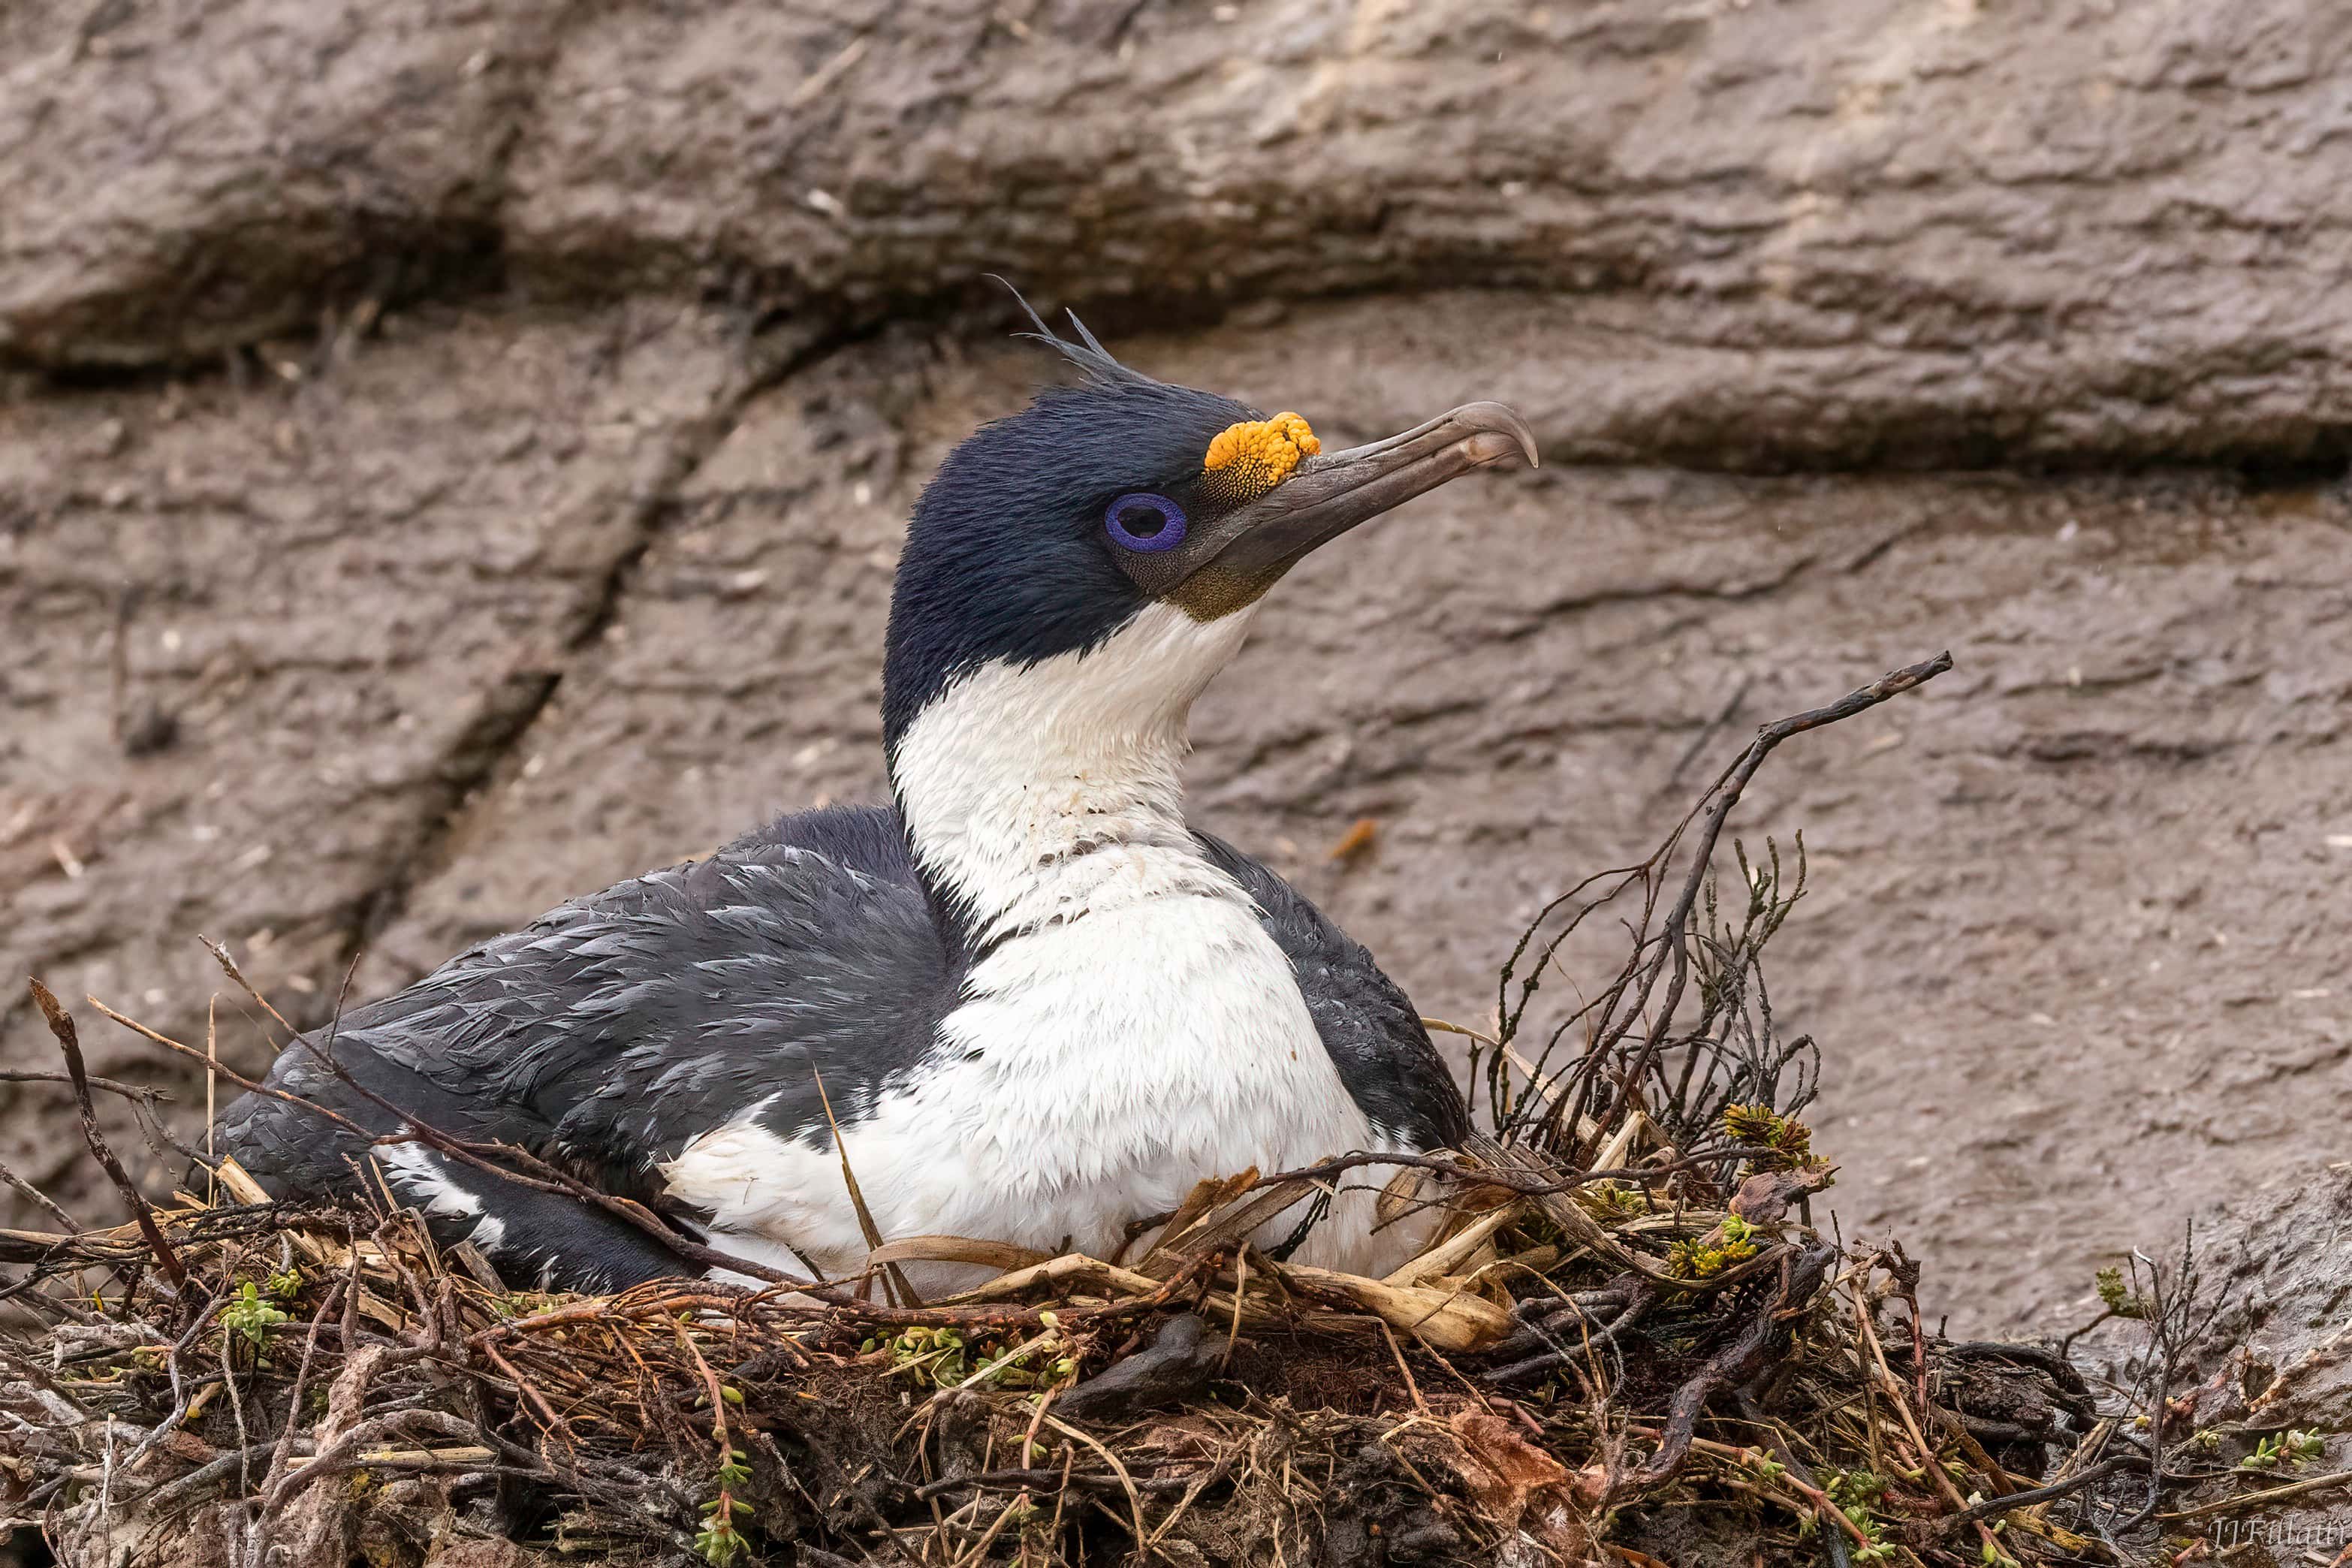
(1611, 1200)
(1789, 1140)
(935, 1356)
(2120, 1301)
(719, 1540)
(247, 1315)
(283, 1286)
(2292, 1449)
(1856, 1492)
(1700, 1260)
(942, 1358)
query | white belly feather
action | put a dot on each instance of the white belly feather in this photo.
(1099, 1072)
(1133, 1029)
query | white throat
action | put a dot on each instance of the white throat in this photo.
(1046, 793)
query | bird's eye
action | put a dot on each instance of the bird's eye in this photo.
(1145, 521)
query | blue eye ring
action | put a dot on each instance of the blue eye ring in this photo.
(1141, 520)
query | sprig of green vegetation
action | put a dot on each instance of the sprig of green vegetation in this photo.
(2119, 1299)
(1702, 1261)
(942, 1358)
(1611, 1200)
(247, 1315)
(719, 1540)
(2292, 1449)
(1789, 1140)
(1856, 1494)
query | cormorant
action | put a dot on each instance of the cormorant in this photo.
(1038, 1006)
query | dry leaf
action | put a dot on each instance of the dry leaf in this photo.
(1523, 1487)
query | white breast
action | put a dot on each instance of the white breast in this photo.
(1133, 1031)
(1099, 1070)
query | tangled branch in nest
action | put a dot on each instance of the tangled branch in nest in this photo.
(1625, 1337)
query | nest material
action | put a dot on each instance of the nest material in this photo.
(1626, 1346)
(330, 1382)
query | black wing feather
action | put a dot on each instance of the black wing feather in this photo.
(1367, 1023)
(608, 1033)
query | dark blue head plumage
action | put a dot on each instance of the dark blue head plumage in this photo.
(1046, 532)
(1015, 550)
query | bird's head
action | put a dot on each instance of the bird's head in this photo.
(1121, 509)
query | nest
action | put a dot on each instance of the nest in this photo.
(1626, 1344)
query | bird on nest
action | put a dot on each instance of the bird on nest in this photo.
(1024, 1002)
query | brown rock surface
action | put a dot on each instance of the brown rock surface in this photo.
(263, 640)
(560, 572)
(2271, 1353)
(2281, 1326)
(1823, 230)
(182, 178)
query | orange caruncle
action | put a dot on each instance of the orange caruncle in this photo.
(1257, 455)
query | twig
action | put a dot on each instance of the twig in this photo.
(1765, 1335)
(1824, 1505)
(556, 1424)
(1706, 733)
(1800, 1476)
(283, 1453)
(244, 1443)
(1125, 1481)
(61, 1024)
(1524, 1183)
(1727, 792)
(107, 1085)
(2275, 1494)
(1004, 1516)
(1928, 1460)
(36, 1375)
(1976, 1513)
(894, 1281)
(1402, 1371)
(1043, 1481)
(212, 1088)
(1628, 1026)
(33, 1194)
(228, 966)
(183, 1395)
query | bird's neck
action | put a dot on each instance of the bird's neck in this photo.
(1037, 794)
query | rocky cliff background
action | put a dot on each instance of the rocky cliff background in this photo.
(452, 456)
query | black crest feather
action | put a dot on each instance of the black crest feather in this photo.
(1087, 355)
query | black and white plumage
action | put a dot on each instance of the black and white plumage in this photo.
(1039, 1004)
